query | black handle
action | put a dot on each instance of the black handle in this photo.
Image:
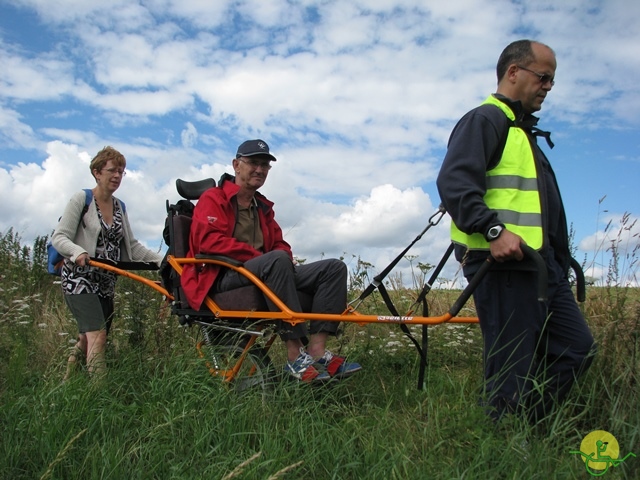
(466, 293)
(581, 288)
(529, 253)
(128, 265)
(541, 266)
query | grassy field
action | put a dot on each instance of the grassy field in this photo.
(158, 414)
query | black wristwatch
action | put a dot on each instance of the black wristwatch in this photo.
(494, 232)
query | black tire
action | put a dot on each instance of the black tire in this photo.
(222, 353)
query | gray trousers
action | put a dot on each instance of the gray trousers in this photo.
(325, 281)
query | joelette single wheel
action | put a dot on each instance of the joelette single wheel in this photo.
(228, 358)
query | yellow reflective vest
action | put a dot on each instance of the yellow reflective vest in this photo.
(512, 190)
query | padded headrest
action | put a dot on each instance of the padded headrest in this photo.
(193, 190)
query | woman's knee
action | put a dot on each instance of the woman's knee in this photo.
(97, 339)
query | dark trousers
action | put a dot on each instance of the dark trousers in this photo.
(533, 352)
(324, 280)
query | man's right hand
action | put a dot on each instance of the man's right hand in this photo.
(507, 247)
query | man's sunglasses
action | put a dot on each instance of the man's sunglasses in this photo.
(544, 77)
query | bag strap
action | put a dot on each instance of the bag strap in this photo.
(88, 198)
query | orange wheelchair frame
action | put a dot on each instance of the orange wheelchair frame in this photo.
(230, 335)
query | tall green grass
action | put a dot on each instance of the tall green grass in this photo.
(158, 414)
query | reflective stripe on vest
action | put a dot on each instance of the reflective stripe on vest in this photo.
(512, 191)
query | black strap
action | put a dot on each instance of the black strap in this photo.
(421, 348)
(427, 286)
(378, 284)
(403, 327)
(541, 133)
(377, 280)
(422, 298)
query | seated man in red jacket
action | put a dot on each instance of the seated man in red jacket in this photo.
(235, 220)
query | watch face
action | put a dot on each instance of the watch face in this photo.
(494, 232)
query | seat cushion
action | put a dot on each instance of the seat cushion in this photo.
(251, 298)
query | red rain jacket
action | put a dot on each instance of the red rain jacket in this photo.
(214, 219)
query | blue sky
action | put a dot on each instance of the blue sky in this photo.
(356, 99)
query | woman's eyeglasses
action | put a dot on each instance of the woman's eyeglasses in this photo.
(113, 171)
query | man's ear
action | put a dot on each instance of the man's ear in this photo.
(510, 75)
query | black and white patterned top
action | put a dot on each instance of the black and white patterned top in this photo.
(78, 279)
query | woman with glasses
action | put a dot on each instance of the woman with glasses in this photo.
(95, 225)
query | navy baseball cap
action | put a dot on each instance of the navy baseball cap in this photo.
(252, 148)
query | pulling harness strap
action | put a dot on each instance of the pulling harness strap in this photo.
(422, 298)
(378, 284)
(377, 280)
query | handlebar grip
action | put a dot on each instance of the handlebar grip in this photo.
(581, 288)
(541, 266)
(528, 252)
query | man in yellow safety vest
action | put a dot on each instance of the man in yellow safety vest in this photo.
(500, 191)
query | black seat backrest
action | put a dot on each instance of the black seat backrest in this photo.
(180, 240)
(183, 208)
(176, 235)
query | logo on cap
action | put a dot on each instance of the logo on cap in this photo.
(254, 147)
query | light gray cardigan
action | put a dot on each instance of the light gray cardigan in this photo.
(72, 239)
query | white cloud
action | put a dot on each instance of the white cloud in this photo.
(13, 132)
(357, 99)
(27, 77)
(189, 135)
(34, 195)
(616, 245)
